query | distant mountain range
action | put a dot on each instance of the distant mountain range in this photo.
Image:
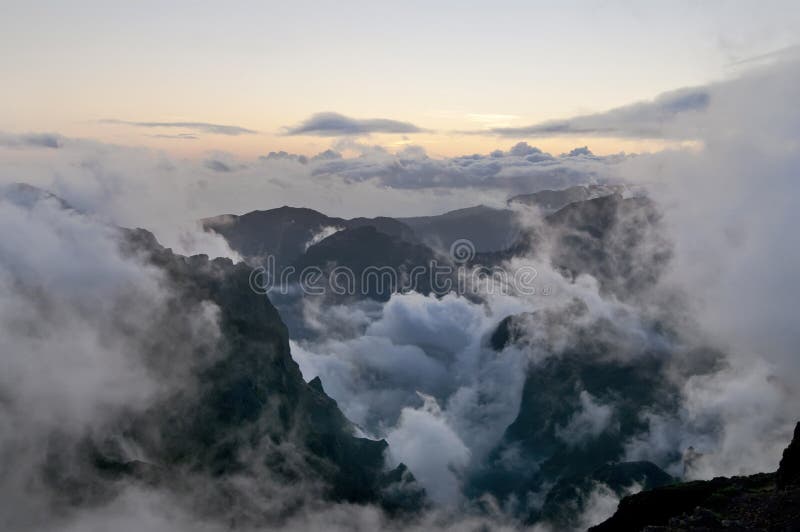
(300, 237)
(287, 232)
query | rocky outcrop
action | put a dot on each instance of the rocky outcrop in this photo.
(765, 501)
(788, 474)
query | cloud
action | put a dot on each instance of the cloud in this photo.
(424, 440)
(418, 371)
(661, 117)
(335, 124)
(779, 54)
(80, 326)
(580, 152)
(31, 140)
(203, 127)
(521, 169)
(179, 136)
(601, 504)
(218, 166)
(141, 187)
(728, 208)
(415, 370)
(589, 422)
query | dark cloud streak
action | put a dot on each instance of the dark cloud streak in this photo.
(203, 127)
(335, 124)
(652, 119)
(32, 140)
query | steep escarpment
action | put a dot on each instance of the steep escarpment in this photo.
(582, 398)
(238, 413)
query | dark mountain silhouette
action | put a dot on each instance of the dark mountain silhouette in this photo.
(489, 229)
(569, 497)
(366, 247)
(26, 195)
(765, 501)
(380, 264)
(618, 241)
(549, 201)
(578, 407)
(287, 232)
(615, 240)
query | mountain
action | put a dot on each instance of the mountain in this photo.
(550, 201)
(488, 229)
(604, 237)
(239, 410)
(582, 398)
(765, 501)
(306, 239)
(25, 195)
(616, 240)
(287, 232)
(578, 404)
(571, 495)
(378, 264)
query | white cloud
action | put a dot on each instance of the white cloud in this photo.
(589, 422)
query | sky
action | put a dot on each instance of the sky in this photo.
(440, 75)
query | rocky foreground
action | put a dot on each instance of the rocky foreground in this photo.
(765, 501)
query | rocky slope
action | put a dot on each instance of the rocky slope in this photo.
(765, 501)
(240, 425)
(580, 403)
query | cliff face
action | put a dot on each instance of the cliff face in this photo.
(247, 413)
(765, 501)
(579, 406)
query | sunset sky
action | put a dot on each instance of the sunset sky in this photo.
(441, 75)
